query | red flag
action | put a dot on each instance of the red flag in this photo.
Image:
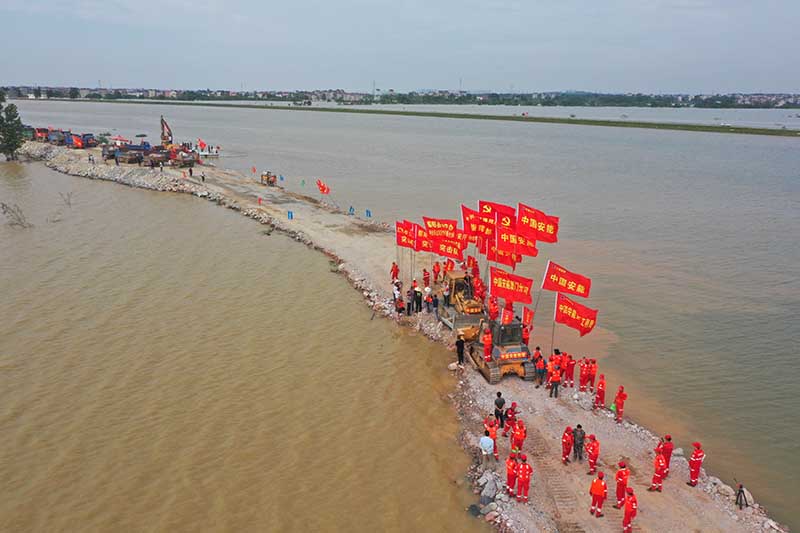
(488, 209)
(509, 241)
(510, 286)
(559, 279)
(440, 228)
(323, 187)
(499, 256)
(404, 234)
(537, 225)
(422, 243)
(507, 317)
(575, 315)
(476, 224)
(471, 261)
(527, 316)
(253, 170)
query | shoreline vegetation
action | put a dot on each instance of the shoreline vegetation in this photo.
(664, 126)
(361, 251)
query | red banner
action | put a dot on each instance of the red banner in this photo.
(510, 286)
(488, 209)
(476, 224)
(405, 233)
(575, 315)
(422, 243)
(527, 316)
(448, 248)
(537, 225)
(559, 279)
(499, 256)
(509, 241)
(507, 316)
(471, 261)
(440, 228)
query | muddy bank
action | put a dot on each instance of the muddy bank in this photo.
(362, 252)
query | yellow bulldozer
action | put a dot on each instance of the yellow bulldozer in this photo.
(465, 310)
(509, 354)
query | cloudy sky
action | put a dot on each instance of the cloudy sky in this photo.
(694, 46)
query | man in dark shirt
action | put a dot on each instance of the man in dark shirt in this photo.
(460, 349)
(499, 403)
(577, 445)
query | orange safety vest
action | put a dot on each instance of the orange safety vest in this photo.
(520, 432)
(511, 466)
(556, 377)
(599, 488)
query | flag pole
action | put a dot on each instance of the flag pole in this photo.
(553, 334)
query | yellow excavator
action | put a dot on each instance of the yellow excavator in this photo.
(465, 310)
(509, 354)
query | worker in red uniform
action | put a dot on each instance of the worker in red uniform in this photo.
(524, 472)
(494, 309)
(592, 453)
(486, 339)
(623, 474)
(510, 417)
(414, 283)
(492, 425)
(600, 396)
(631, 506)
(551, 365)
(437, 270)
(566, 445)
(569, 371)
(476, 271)
(592, 374)
(511, 473)
(583, 376)
(395, 271)
(659, 465)
(520, 432)
(555, 381)
(599, 492)
(666, 447)
(526, 334)
(540, 368)
(619, 401)
(695, 462)
(426, 278)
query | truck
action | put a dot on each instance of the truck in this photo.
(509, 354)
(83, 140)
(56, 137)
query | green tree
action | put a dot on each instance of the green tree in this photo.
(74, 93)
(11, 130)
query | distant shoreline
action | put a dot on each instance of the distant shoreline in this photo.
(664, 126)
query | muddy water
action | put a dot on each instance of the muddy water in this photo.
(164, 366)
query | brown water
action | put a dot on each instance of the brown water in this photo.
(166, 367)
(690, 238)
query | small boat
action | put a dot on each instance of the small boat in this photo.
(209, 153)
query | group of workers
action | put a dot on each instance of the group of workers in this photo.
(417, 295)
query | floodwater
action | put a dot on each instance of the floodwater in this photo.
(164, 366)
(690, 238)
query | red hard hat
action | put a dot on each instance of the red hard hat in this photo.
(486, 330)
(602, 376)
(697, 445)
(523, 457)
(600, 475)
(513, 404)
(513, 455)
(621, 464)
(569, 429)
(621, 387)
(592, 437)
(668, 437)
(629, 490)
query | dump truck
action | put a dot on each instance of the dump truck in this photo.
(268, 178)
(509, 354)
(465, 309)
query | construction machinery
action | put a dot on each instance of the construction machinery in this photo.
(509, 354)
(465, 310)
(268, 178)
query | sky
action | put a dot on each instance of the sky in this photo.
(651, 46)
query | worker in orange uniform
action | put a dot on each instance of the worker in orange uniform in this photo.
(566, 445)
(695, 462)
(619, 401)
(511, 473)
(592, 374)
(555, 381)
(666, 447)
(659, 465)
(494, 309)
(600, 396)
(583, 375)
(426, 278)
(623, 474)
(510, 417)
(486, 338)
(526, 334)
(395, 271)
(551, 365)
(492, 425)
(520, 432)
(631, 506)
(599, 492)
(524, 473)
(569, 371)
(592, 453)
(437, 270)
